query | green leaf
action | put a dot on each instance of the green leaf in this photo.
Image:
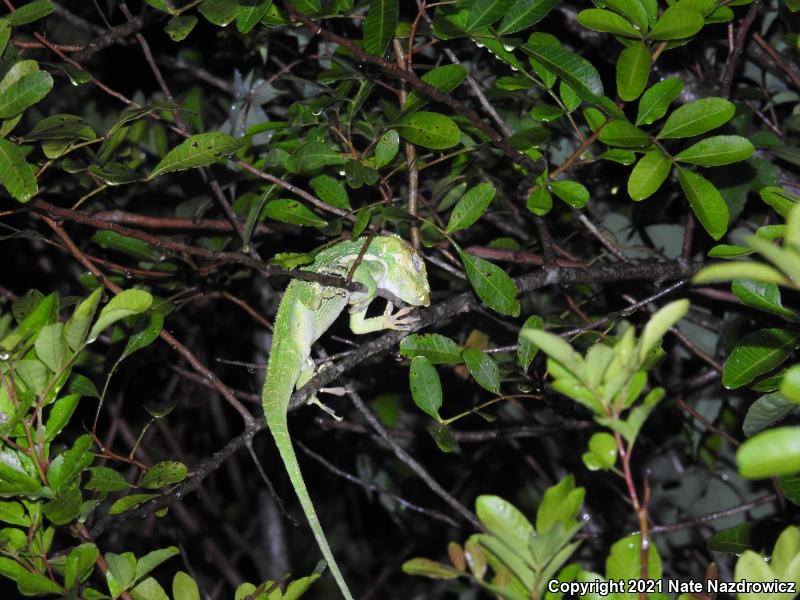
(707, 203)
(602, 454)
(471, 206)
(658, 325)
(298, 587)
(184, 587)
(578, 72)
(127, 303)
(25, 92)
(485, 12)
(491, 284)
(151, 560)
(677, 23)
(765, 412)
(61, 127)
(525, 13)
(150, 589)
(82, 385)
(165, 473)
(51, 347)
(696, 118)
(28, 584)
(132, 114)
(729, 251)
(308, 6)
(770, 453)
(546, 75)
(649, 174)
(114, 173)
(219, 12)
(624, 134)
(540, 202)
(33, 374)
(504, 521)
(571, 192)
(387, 147)
(363, 217)
(60, 414)
(780, 200)
(430, 130)
(624, 562)
(560, 505)
(16, 175)
(66, 507)
(790, 384)
(312, 156)
(331, 191)
(608, 22)
(558, 350)
(438, 349)
(5, 34)
(13, 477)
(426, 387)
(526, 349)
(744, 269)
(121, 571)
(379, 25)
(426, 567)
(197, 151)
(291, 211)
(128, 245)
(14, 513)
(735, 539)
(483, 369)
(633, 70)
(30, 12)
(790, 487)
(751, 567)
(445, 79)
(763, 296)
(633, 10)
(786, 259)
(250, 13)
(79, 564)
(177, 28)
(105, 479)
(656, 100)
(159, 5)
(67, 466)
(757, 353)
(127, 503)
(717, 150)
(544, 113)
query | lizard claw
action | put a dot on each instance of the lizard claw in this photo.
(401, 320)
(316, 402)
(334, 391)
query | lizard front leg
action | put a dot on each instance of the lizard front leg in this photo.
(401, 320)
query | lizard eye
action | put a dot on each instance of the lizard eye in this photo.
(415, 260)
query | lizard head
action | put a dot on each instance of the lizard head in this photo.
(406, 276)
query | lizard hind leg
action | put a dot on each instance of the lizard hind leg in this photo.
(308, 371)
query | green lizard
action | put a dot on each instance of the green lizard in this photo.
(389, 267)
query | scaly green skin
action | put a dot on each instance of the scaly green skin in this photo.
(307, 310)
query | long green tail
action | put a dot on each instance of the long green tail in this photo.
(293, 469)
(283, 371)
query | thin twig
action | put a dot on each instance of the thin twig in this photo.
(412, 464)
